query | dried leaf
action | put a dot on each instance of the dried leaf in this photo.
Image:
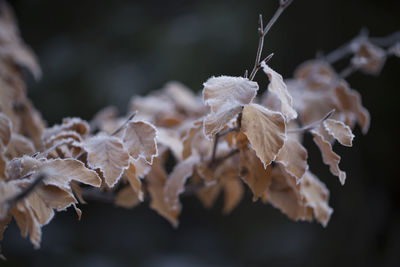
(215, 122)
(61, 172)
(5, 130)
(19, 145)
(225, 93)
(369, 58)
(233, 194)
(253, 173)
(140, 139)
(156, 187)
(278, 87)
(293, 157)
(109, 155)
(350, 101)
(265, 130)
(134, 181)
(329, 157)
(127, 198)
(339, 131)
(316, 196)
(170, 139)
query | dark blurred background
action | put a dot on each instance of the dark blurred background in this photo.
(99, 53)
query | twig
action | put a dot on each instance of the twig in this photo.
(283, 4)
(386, 41)
(312, 125)
(124, 124)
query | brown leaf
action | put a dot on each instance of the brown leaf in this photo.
(285, 195)
(329, 157)
(253, 173)
(350, 101)
(5, 130)
(108, 154)
(172, 140)
(265, 130)
(189, 137)
(215, 122)
(157, 179)
(19, 145)
(175, 184)
(278, 87)
(339, 131)
(134, 181)
(225, 93)
(140, 139)
(127, 198)
(61, 172)
(293, 157)
(233, 194)
(316, 196)
(368, 57)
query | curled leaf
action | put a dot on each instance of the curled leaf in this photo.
(339, 131)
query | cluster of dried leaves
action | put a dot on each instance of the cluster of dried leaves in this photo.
(236, 139)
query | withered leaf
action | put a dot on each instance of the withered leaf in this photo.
(127, 198)
(233, 194)
(175, 184)
(369, 58)
(253, 173)
(265, 130)
(215, 122)
(328, 156)
(140, 139)
(339, 131)
(293, 157)
(5, 130)
(225, 92)
(134, 181)
(316, 196)
(278, 87)
(108, 154)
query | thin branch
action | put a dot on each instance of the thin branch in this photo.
(120, 128)
(313, 124)
(386, 41)
(283, 4)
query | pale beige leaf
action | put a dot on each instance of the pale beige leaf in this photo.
(329, 157)
(175, 184)
(19, 145)
(183, 97)
(350, 101)
(224, 92)
(215, 122)
(253, 173)
(134, 181)
(142, 168)
(233, 194)
(172, 140)
(208, 194)
(140, 140)
(316, 196)
(5, 130)
(265, 130)
(293, 157)
(340, 131)
(60, 172)
(127, 198)
(189, 137)
(156, 179)
(285, 195)
(278, 87)
(108, 154)
(369, 58)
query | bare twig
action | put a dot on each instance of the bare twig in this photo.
(386, 41)
(283, 4)
(312, 125)
(120, 128)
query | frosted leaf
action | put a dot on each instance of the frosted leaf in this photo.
(368, 57)
(225, 92)
(19, 145)
(170, 139)
(134, 181)
(278, 87)
(107, 154)
(175, 184)
(5, 130)
(329, 157)
(140, 140)
(215, 122)
(293, 157)
(253, 173)
(127, 198)
(316, 196)
(339, 131)
(265, 130)
(61, 172)
(156, 179)
(349, 101)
